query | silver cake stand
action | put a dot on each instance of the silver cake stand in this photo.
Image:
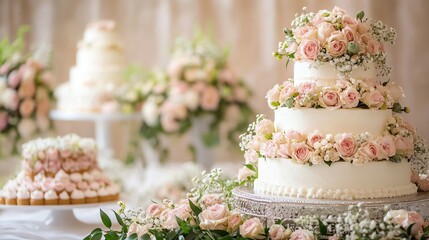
(271, 208)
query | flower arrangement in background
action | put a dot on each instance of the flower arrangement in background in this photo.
(197, 84)
(344, 41)
(26, 95)
(207, 213)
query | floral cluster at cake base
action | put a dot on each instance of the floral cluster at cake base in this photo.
(26, 95)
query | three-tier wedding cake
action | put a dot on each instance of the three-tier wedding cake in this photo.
(337, 133)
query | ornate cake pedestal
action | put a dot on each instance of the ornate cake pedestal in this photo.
(103, 127)
(271, 208)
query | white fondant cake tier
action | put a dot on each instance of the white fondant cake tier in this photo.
(97, 75)
(341, 180)
(326, 121)
(324, 74)
(100, 57)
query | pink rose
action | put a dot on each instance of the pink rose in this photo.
(10, 99)
(287, 91)
(300, 152)
(363, 28)
(387, 147)
(349, 98)
(43, 107)
(138, 229)
(27, 107)
(269, 149)
(234, 222)
(279, 138)
(264, 127)
(47, 78)
(336, 44)
(309, 49)
(210, 99)
(415, 178)
(183, 211)
(252, 228)
(350, 22)
(154, 210)
(214, 217)
(273, 95)
(404, 145)
(284, 150)
(302, 234)
(14, 79)
(318, 18)
(251, 156)
(227, 75)
(168, 219)
(369, 151)
(350, 34)
(212, 199)
(345, 144)
(373, 99)
(314, 137)
(27, 87)
(4, 68)
(240, 94)
(324, 30)
(244, 173)
(4, 120)
(339, 10)
(292, 47)
(305, 32)
(169, 124)
(278, 232)
(294, 136)
(372, 47)
(417, 220)
(423, 184)
(306, 88)
(330, 99)
(254, 144)
(395, 91)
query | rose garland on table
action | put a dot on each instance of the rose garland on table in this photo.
(336, 37)
(346, 94)
(198, 83)
(26, 95)
(207, 214)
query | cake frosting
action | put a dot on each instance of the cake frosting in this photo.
(55, 170)
(99, 70)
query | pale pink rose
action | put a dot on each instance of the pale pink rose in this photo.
(240, 93)
(336, 44)
(309, 49)
(302, 234)
(47, 78)
(27, 128)
(4, 119)
(287, 91)
(314, 137)
(284, 150)
(350, 22)
(330, 99)
(227, 75)
(169, 124)
(154, 210)
(4, 68)
(324, 30)
(294, 136)
(254, 144)
(372, 47)
(234, 222)
(366, 38)
(138, 229)
(363, 28)
(406, 125)
(168, 219)
(306, 88)
(265, 126)
(212, 199)
(423, 184)
(10, 99)
(415, 178)
(339, 10)
(183, 211)
(27, 107)
(43, 106)
(210, 99)
(387, 147)
(318, 18)
(369, 150)
(269, 149)
(404, 145)
(214, 217)
(417, 220)
(27, 87)
(300, 152)
(381, 47)
(350, 34)
(273, 95)
(305, 32)
(251, 156)
(175, 67)
(14, 79)
(279, 138)
(244, 173)
(345, 144)
(292, 47)
(252, 228)
(349, 98)
(277, 232)
(395, 91)
(342, 83)
(373, 99)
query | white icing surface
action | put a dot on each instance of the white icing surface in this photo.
(341, 180)
(64, 195)
(355, 121)
(323, 74)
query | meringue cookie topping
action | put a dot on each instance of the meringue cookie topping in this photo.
(64, 195)
(37, 194)
(77, 194)
(51, 194)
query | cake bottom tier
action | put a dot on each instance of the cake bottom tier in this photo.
(341, 180)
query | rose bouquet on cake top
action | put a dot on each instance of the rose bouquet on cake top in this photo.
(25, 95)
(344, 41)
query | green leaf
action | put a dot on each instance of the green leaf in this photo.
(145, 237)
(195, 209)
(96, 236)
(329, 163)
(111, 236)
(409, 229)
(225, 238)
(322, 228)
(87, 237)
(133, 236)
(105, 219)
(251, 167)
(118, 218)
(360, 15)
(171, 235)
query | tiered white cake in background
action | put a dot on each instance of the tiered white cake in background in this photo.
(100, 65)
(336, 134)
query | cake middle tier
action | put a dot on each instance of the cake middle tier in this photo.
(326, 121)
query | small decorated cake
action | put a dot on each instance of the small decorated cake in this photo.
(60, 170)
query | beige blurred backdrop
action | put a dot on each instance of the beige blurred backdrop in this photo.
(250, 28)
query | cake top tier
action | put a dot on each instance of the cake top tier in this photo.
(346, 42)
(101, 34)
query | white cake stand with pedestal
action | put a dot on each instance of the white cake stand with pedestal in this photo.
(103, 126)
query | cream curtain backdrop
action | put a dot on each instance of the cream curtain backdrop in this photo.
(250, 28)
